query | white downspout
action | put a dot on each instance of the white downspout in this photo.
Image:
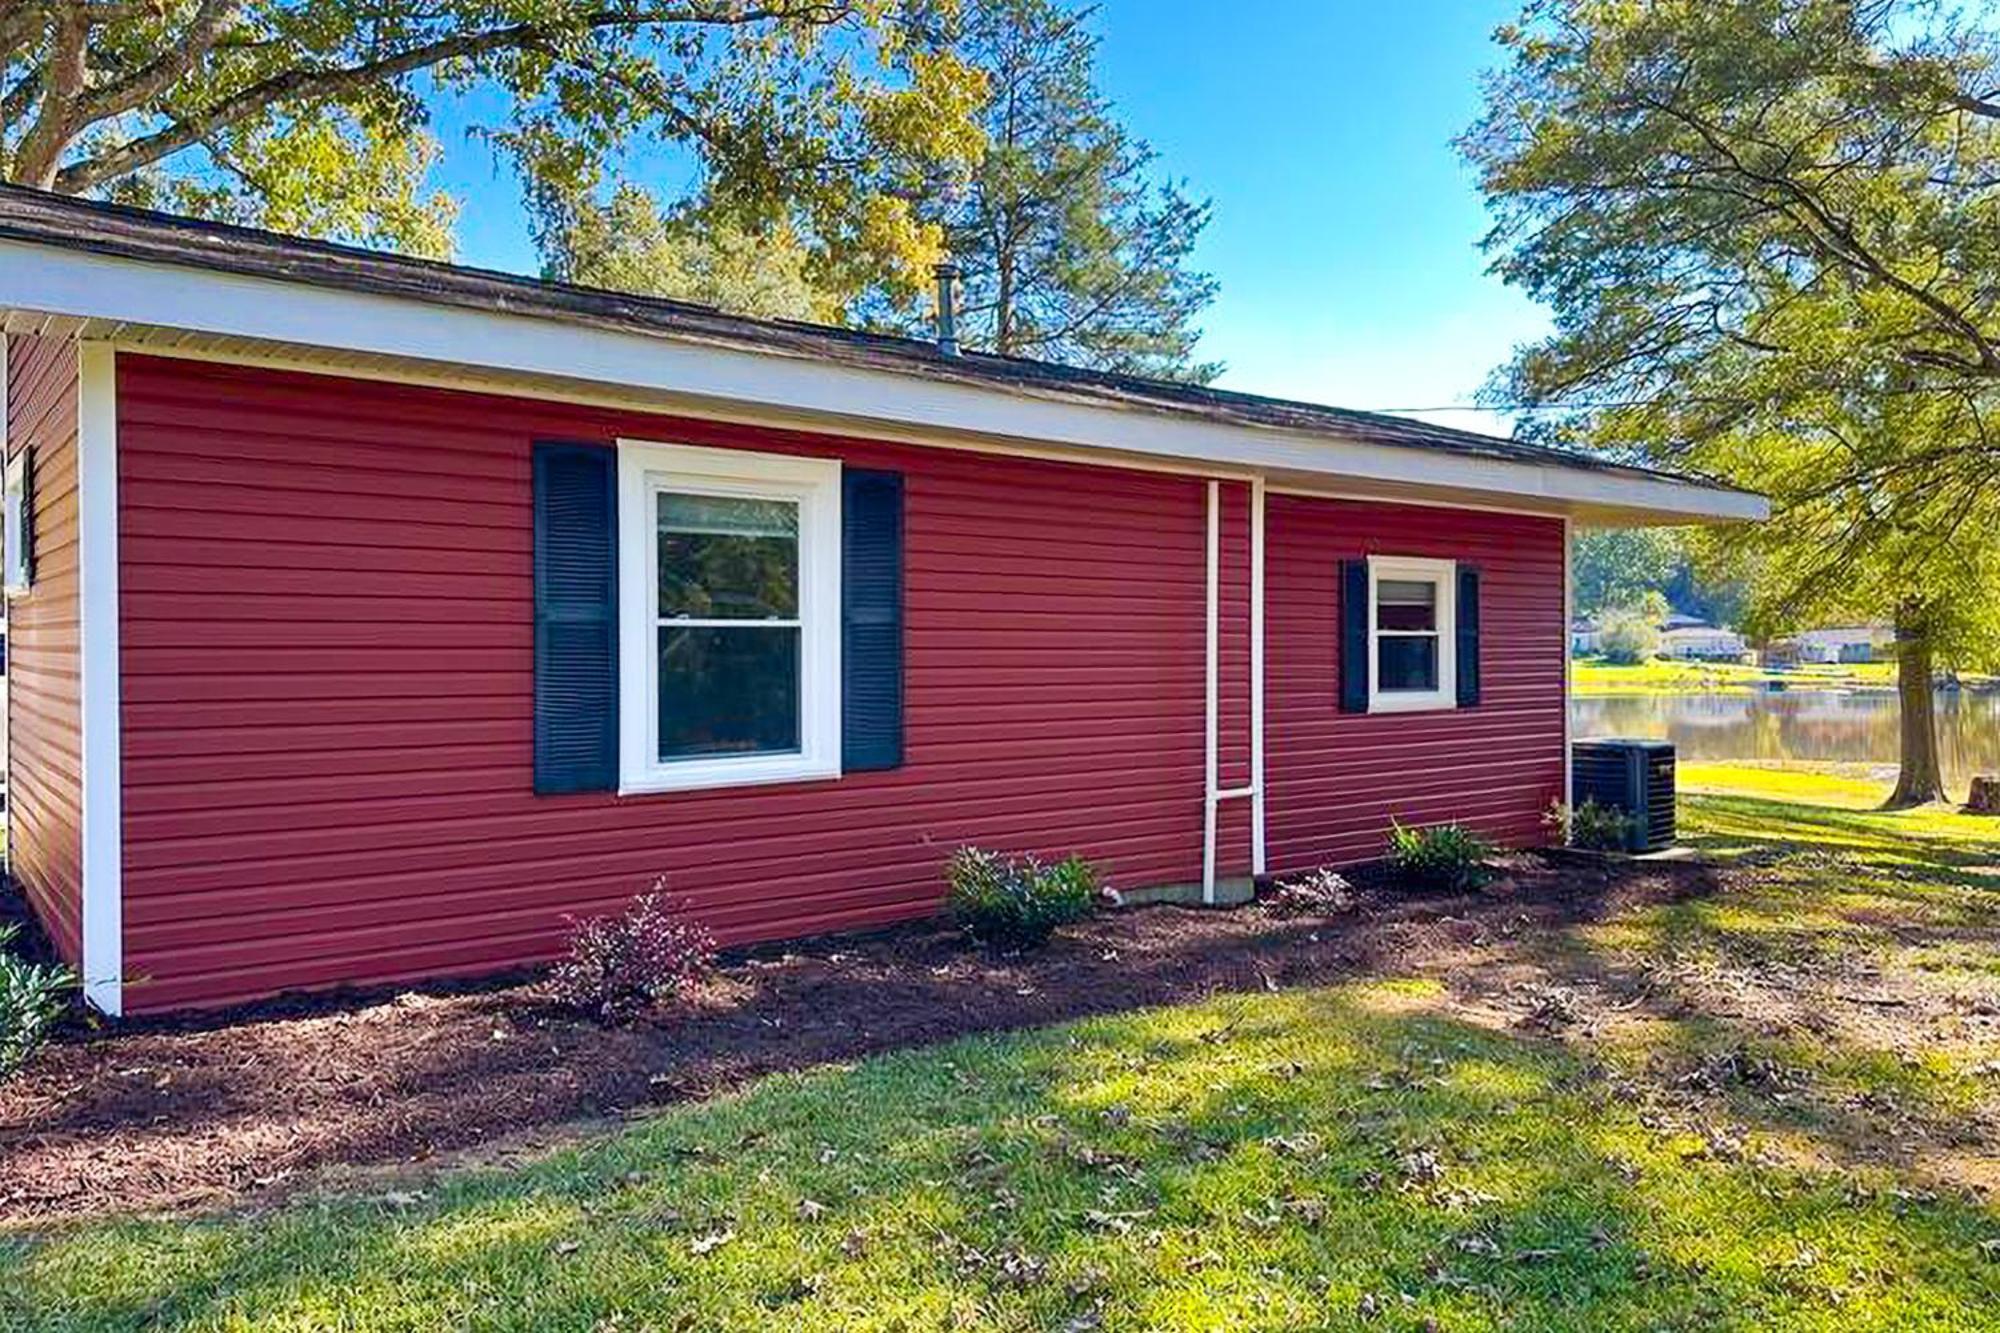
(1569, 613)
(1210, 665)
(1213, 794)
(1257, 864)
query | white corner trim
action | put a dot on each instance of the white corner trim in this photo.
(1444, 573)
(97, 623)
(60, 281)
(644, 468)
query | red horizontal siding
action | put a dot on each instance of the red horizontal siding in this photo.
(44, 721)
(1337, 779)
(327, 656)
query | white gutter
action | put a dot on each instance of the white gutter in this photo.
(136, 297)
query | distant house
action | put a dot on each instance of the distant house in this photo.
(1584, 637)
(1699, 642)
(1822, 647)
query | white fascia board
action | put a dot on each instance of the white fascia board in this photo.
(58, 281)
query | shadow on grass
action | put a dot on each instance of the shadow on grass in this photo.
(1310, 1159)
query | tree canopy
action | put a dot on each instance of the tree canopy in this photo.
(313, 116)
(1766, 230)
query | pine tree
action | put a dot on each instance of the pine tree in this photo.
(1072, 250)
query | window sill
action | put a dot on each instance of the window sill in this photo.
(1427, 702)
(706, 775)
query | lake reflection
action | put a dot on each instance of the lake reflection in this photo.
(1853, 727)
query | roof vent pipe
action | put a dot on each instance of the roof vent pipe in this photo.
(947, 308)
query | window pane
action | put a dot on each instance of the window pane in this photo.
(728, 691)
(1406, 662)
(728, 558)
(1406, 604)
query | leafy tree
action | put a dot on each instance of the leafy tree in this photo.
(1767, 229)
(1630, 635)
(1072, 251)
(631, 245)
(1615, 566)
(312, 115)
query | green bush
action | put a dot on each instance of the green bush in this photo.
(33, 997)
(1628, 637)
(1599, 828)
(1016, 902)
(1441, 856)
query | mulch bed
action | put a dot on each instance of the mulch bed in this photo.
(261, 1101)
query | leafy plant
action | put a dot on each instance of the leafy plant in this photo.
(1315, 893)
(1599, 828)
(619, 966)
(33, 997)
(1439, 856)
(1017, 901)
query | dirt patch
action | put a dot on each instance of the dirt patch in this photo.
(259, 1101)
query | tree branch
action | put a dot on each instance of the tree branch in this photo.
(319, 84)
(187, 49)
(41, 147)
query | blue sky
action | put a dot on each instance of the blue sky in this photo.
(1346, 229)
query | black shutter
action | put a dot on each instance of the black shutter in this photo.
(576, 618)
(1354, 664)
(1468, 636)
(27, 514)
(871, 620)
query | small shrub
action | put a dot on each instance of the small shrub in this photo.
(1441, 856)
(1598, 828)
(1017, 902)
(619, 966)
(1316, 893)
(33, 997)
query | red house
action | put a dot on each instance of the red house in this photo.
(370, 616)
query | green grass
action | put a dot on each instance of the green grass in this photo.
(1385, 1154)
(1661, 676)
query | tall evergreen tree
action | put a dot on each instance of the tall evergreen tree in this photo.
(1072, 249)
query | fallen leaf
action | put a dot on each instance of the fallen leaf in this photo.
(714, 1240)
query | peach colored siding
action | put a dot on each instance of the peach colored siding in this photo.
(44, 753)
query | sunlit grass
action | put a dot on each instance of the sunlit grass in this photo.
(1664, 676)
(1267, 1161)
(1765, 1137)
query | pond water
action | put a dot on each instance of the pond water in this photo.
(1850, 726)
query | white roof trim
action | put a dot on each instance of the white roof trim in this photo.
(49, 280)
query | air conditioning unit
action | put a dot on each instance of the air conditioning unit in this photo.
(1634, 776)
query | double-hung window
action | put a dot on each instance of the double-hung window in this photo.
(729, 617)
(1411, 633)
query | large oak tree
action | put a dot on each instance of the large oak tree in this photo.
(1769, 231)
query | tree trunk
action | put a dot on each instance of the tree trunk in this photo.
(1919, 780)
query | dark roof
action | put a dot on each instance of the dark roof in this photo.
(130, 233)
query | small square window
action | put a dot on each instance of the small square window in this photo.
(1410, 633)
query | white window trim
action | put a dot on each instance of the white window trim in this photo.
(1444, 573)
(646, 467)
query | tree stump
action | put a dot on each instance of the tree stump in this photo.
(1985, 798)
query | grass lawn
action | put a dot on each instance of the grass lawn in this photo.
(1660, 676)
(1769, 1105)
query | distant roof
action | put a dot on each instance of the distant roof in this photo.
(54, 220)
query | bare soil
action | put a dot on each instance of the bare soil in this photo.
(254, 1103)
